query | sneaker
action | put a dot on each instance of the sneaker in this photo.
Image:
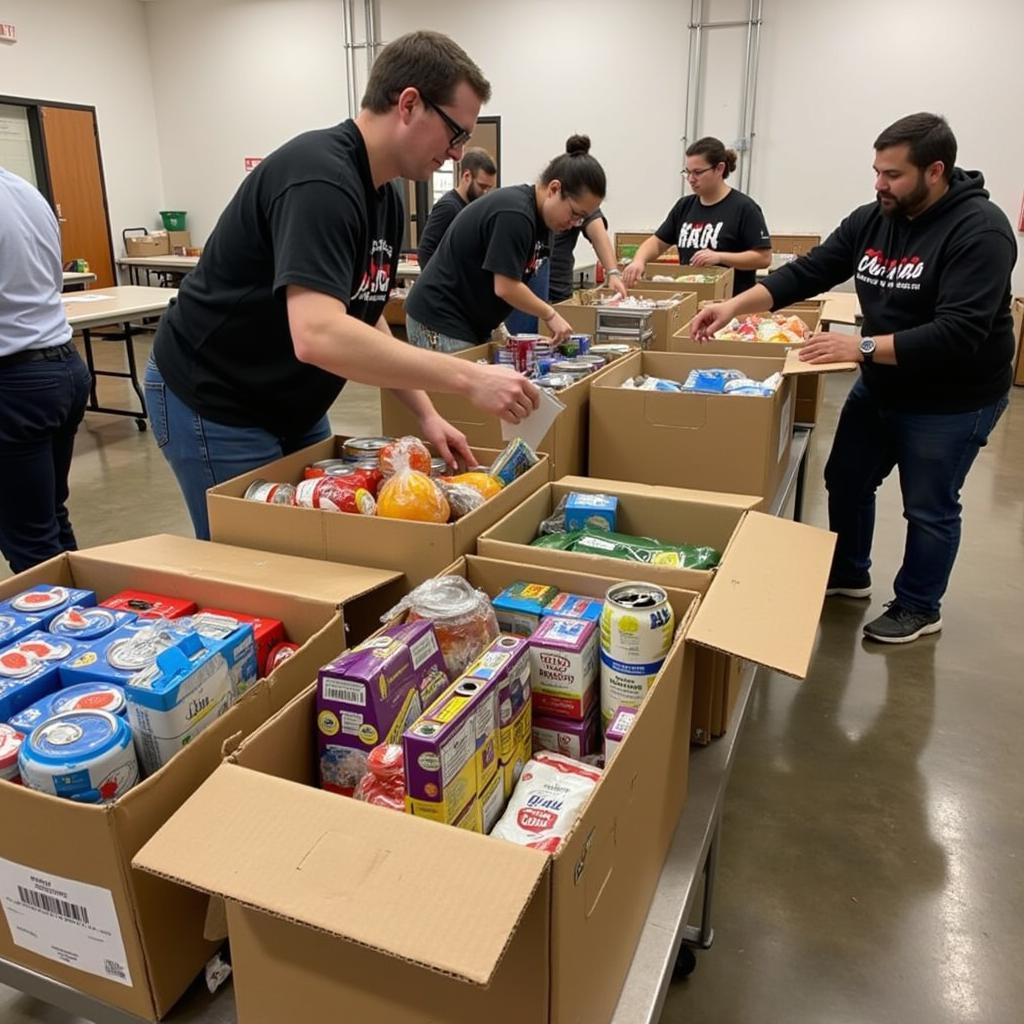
(855, 586)
(900, 625)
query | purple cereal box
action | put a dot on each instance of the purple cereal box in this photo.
(566, 735)
(372, 694)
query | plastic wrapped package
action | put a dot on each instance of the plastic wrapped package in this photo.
(516, 459)
(405, 452)
(710, 381)
(410, 493)
(644, 383)
(555, 523)
(463, 618)
(483, 482)
(632, 549)
(384, 782)
(462, 499)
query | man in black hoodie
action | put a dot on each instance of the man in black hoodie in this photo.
(931, 259)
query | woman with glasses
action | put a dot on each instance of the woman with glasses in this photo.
(715, 226)
(481, 270)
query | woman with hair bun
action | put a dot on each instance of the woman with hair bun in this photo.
(715, 226)
(480, 271)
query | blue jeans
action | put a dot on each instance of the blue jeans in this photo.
(42, 402)
(203, 453)
(934, 452)
(424, 337)
(523, 323)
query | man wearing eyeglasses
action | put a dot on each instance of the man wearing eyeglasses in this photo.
(287, 301)
(715, 226)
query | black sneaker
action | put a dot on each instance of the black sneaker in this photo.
(900, 625)
(853, 586)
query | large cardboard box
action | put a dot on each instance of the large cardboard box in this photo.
(581, 312)
(627, 242)
(419, 550)
(794, 245)
(156, 243)
(1018, 333)
(156, 945)
(716, 290)
(565, 444)
(179, 242)
(786, 562)
(400, 919)
(810, 389)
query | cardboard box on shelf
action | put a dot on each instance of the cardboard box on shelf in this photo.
(156, 243)
(180, 242)
(565, 443)
(782, 561)
(715, 290)
(156, 946)
(810, 390)
(404, 920)
(419, 550)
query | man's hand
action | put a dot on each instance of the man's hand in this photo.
(502, 391)
(616, 283)
(831, 347)
(633, 272)
(450, 444)
(559, 327)
(704, 258)
(709, 320)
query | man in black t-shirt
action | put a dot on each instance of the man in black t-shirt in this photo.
(478, 177)
(715, 226)
(287, 300)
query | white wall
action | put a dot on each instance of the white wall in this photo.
(97, 54)
(236, 78)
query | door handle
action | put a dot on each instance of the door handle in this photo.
(60, 218)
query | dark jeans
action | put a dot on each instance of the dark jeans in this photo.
(934, 452)
(41, 404)
(523, 323)
(203, 453)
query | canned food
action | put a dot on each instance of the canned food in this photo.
(556, 381)
(593, 359)
(86, 756)
(89, 623)
(270, 493)
(328, 467)
(582, 343)
(138, 651)
(41, 599)
(637, 624)
(438, 467)
(90, 697)
(611, 348)
(10, 746)
(331, 495)
(576, 367)
(364, 449)
(279, 654)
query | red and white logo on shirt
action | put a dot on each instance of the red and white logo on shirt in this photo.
(877, 269)
(699, 234)
(376, 281)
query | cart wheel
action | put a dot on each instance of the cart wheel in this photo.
(686, 963)
(141, 424)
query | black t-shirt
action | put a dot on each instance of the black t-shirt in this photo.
(734, 224)
(502, 232)
(444, 211)
(562, 261)
(307, 215)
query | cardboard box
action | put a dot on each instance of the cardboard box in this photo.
(714, 291)
(159, 925)
(790, 592)
(1018, 333)
(420, 550)
(403, 920)
(180, 242)
(156, 243)
(565, 443)
(794, 245)
(394, 312)
(581, 312)
(626, 243)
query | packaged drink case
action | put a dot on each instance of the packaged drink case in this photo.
(46, 601)
(234, 640)
(593, 510)
(185, 690)
(118, 656)
(83, 697)
(370, 695)
(564, 660)
(575, 739)
(621, 722)
(14, 626)
(86, 624)
(10, 746)
(150, 606)
(573, 606)
(31, 668)
(267, 633)
(520, 607)
(86, 756)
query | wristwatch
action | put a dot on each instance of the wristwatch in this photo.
(614, 272)
(867, 349)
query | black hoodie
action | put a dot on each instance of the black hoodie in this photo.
(940, 283)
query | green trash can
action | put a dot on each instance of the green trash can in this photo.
(174, 220)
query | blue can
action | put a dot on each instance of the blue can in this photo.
(87, 756)
(89, 623)
(582, 343)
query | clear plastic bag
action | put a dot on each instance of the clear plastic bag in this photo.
(409, 493)
(462, 499)
(555, 523)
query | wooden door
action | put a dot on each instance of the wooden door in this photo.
(73, 159)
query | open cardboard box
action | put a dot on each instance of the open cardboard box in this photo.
(810, 390)
(399, 919)
(156, 243)
(565, 443)
(420, 550)
(780, 567)
(1018, 334)
(665, 322)
(711, 291)
(636, 239)
(158, 925)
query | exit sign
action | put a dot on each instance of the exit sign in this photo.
(8, 33)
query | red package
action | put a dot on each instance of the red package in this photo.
(150, 606)
(268, 634)
(280, 654)
(384, 781)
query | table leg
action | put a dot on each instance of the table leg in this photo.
(87, 342)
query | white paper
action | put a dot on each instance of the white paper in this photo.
(71, 922)
(85, 297)
(538, 423)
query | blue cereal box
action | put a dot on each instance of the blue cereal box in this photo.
(520, 607)
(598, 511)
(14, 626)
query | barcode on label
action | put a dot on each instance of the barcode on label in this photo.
(39, 900)
(344, 692)
(114, 969)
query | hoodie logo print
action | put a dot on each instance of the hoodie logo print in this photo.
(904, 273)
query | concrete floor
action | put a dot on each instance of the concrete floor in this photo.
(871, 869)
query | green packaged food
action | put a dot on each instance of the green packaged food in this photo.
(644, 549)
(557, 541)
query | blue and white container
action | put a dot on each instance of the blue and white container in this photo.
(83, 697)
(85, 624)
(30, 669)
(173, 701)
(86, 756)
(47, 601)
(14, 626)
(118, 656)
(597, 511)
(233, 639)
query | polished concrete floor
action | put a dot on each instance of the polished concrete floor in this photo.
(872, 868)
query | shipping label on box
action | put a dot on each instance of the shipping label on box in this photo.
(564, 657)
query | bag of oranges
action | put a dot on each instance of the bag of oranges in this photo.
(409, 493)
(407, 451)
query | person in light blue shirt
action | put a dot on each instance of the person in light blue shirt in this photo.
(44, 385)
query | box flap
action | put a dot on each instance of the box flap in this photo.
(443, 898)
(286, 574)
(796, 367)
(595, 485)
(766, 600)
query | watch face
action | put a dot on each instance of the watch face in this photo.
(867, 345)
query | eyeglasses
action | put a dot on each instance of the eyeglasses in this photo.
(459, 134)
(697, 173)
